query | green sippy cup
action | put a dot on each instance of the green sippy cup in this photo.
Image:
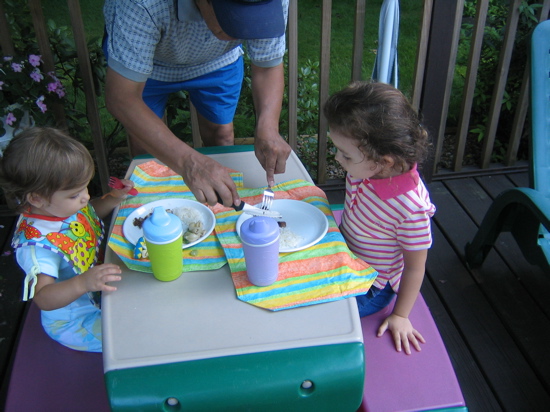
(163, 232)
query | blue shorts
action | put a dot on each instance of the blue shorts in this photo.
(215, 95)
(374, 300)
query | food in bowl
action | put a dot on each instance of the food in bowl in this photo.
(288, 239)
(191, 220)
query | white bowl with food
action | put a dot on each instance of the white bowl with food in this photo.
(304, 224)
(198, 221)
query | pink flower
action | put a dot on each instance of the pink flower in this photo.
(37, 76)
(10, 118)
(16, 67)
(34, 60)
(41, 105)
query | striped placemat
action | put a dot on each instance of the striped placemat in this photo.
(155, 181)
(324, 272)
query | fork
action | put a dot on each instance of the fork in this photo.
(115, 183)
(267, 200)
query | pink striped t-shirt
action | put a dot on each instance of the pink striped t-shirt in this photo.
(383, 217)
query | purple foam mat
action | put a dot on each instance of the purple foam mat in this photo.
(395, 381)
(47, 376)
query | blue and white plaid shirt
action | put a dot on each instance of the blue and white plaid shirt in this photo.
(146, 39)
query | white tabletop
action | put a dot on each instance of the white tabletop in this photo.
(198, 316)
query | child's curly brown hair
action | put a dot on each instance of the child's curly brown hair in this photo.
(382, 121)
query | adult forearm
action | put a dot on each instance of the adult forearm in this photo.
(123, 99)
(205, 177)
(267, 91)
(153, 134)
(271, 149)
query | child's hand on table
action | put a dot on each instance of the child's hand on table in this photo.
(96, 278)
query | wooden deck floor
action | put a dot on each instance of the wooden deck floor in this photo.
(494, 320)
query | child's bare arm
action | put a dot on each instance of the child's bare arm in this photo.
(403, 332)
(105, 204)
(50, 295)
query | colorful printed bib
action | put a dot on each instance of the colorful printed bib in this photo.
(76, 238)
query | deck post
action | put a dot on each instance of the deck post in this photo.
(440, 62)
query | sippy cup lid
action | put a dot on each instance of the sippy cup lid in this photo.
(161, 226)
(259, 230)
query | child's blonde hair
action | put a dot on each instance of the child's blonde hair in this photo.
(382, 121)
(43, 160)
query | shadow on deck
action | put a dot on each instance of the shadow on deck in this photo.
(494, 320)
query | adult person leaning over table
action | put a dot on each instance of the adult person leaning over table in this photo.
(157, 47)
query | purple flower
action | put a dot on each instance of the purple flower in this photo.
(10, 119)
(37, 76)
(16, 67)
(52, 87)
(1, 84)
(41, 105)
(60, 92)
(8, 58)
(34, 60)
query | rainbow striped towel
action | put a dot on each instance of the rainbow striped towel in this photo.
(154, 182)
(324, 272)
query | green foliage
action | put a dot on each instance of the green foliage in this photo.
(178, 116)
(68, 70)
(26, 90)
(308, 45)
(342, 38)
(487, 74)
(308, 100)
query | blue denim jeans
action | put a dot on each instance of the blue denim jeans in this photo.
(374, 300)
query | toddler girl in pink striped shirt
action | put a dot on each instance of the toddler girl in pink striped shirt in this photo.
(386, 219)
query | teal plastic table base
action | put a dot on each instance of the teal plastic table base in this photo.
(319, 378)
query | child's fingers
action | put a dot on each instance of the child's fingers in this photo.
(406, 346)
(415, 339)
(128, 184)
(109, 269)
(383, 328)
(111, 278)
(109, 273)
(419, 336)
(108, 288)
(415, 344)
(105, 287)
(397, 341)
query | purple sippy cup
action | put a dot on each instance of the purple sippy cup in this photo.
(260, 237)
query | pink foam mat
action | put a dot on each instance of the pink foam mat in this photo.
(394, 381)
(47, 376)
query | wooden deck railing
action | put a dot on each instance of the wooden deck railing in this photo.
(439, 35)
